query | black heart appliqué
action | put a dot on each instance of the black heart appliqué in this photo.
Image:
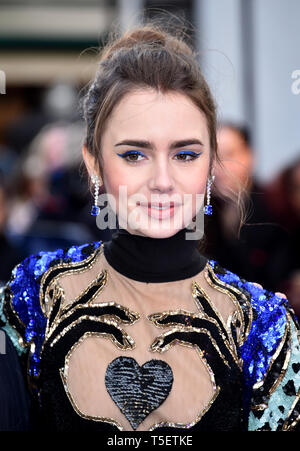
(138, 390)
(296, 367)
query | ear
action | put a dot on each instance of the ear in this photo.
(90, 163)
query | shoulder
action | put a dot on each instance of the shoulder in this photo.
(269, 349)
(21, 300)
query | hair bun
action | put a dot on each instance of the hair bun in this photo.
(150, 35)
(143, 35)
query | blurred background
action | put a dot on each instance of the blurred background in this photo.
(249, 54)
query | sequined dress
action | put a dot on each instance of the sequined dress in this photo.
(139, 334)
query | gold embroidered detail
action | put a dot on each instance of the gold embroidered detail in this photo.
(192, 423)
(128, 342)
(65, 311)
(286, 337)
(57, 295)
(226, 289)
(198, 292)
(101, 280)
(111, 319)
(158, 343)
(74, 267)
(64, 376)
(155, 347)
(284, 367)
(157, 319)
(216, 390)
(259, 407)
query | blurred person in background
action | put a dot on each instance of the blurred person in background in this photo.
(8, 252)
(39, 107)
(283, 195)
(50, 206)
(260, 249)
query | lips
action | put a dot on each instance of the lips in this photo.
(158, 205)
(159, 210)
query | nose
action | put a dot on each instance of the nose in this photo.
(161, 178)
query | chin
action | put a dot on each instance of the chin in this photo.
(156, 232)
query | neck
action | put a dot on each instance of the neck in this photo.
(148, 259)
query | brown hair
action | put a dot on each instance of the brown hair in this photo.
(145, 57)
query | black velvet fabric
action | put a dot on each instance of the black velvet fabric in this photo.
(148, 259)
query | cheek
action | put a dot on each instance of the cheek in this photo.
(197, 185)
(194, 188)
(113, 177)
(116, 178)
(195, 182)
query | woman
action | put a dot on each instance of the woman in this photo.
(143, 332)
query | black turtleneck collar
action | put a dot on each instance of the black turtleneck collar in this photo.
(148, 259)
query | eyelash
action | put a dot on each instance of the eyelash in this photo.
(135, 152)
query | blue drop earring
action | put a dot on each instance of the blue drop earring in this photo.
(208, 207)
(95, 208)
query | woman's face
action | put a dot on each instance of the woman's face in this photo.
(155, 150)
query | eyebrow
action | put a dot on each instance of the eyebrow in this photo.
(149, 145)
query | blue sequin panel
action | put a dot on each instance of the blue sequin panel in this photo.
(25, 284)
(267, 329)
